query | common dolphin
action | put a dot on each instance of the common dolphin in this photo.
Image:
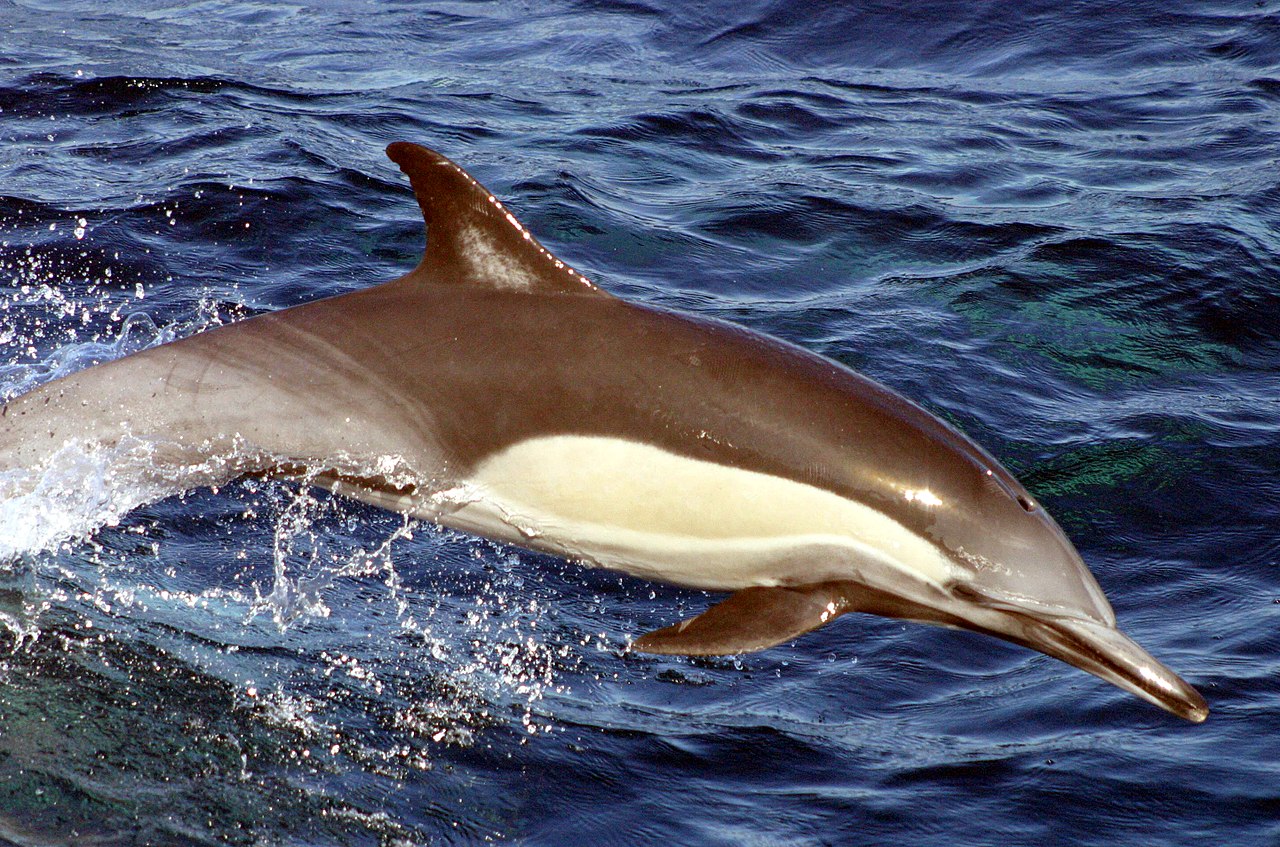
(495, 390)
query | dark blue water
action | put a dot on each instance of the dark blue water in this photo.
(1053, 224)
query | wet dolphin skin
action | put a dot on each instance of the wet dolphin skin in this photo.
(495, 390)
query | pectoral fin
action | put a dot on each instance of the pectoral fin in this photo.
(749, 620)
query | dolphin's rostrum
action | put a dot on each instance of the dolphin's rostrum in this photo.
(495, 390)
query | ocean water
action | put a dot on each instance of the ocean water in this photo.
(1053, 224)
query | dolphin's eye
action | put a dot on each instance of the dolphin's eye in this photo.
(1005, 480)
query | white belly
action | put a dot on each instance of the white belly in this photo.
(636, 508)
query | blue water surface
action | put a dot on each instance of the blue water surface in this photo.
(1054, 224)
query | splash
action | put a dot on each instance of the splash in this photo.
(81, 489)
(473, 648)
(307, 558)
(388, 663)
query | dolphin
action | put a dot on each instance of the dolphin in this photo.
(495, 390)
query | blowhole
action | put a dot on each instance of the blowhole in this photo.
(1027, 504)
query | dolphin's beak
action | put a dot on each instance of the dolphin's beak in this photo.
(1110, 654)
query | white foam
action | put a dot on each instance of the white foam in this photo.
(84, 487)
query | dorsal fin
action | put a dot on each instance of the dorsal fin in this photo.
(471, 238)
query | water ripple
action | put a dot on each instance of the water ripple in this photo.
(1054, 225)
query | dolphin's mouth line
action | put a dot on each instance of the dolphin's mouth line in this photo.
(1094, 646)
(1091, 646)
(1110, 655)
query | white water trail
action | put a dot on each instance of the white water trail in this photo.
(79, 490)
